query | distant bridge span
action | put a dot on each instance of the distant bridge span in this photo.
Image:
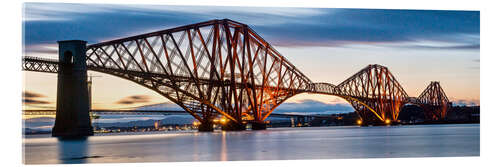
(163, 112)
(223, 67)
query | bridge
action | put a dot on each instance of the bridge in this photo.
(217, 68)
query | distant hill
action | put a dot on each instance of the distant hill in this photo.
(180, 120)
(302, 107)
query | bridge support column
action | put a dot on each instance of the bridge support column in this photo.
(233, 126)
(259, 126)
(206, 127)
(72, 110)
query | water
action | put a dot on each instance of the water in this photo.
(271, 144)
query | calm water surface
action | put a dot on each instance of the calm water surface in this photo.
(271, 144)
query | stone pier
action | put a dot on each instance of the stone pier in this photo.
(72, 110)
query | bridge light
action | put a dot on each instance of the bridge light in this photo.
(223, 120)
(387, 121)
(196, 123)
(359, 122)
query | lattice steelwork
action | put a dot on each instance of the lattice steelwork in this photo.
(324, 88)
(222, 67)
(434, 101)
(217, 66)
(40, 65)
(374, 93)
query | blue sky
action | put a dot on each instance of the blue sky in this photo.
(327, 45)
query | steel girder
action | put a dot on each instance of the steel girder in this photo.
(217, 66)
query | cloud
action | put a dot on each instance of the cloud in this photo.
(30, 98)
(45, 23)
(98, 26)
(27, 94)
(472, 46)
(68, 11)
(58, 11)
(32, 101)
(134, 99)
(440, 42)
(366, 26)
(41, 49)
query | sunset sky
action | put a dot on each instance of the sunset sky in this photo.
(327, 45)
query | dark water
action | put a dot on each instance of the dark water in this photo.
(271, 144)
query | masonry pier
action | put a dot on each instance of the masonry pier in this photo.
(72, 110)
(259, 125)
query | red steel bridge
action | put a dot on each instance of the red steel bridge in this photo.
(224, 68)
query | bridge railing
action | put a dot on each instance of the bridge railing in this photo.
(32, 58)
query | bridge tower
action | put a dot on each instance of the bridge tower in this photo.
(72, 110)
(434, 102)
(375, 94)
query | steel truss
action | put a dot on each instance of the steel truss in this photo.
(434, 101)
(215, 67)
(40, 65)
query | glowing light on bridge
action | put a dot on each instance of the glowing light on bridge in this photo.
(196, 123)
(223, 120)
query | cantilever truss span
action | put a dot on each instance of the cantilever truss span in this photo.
(377, 93)
(215, 67)
(222, 67)
(434, 101)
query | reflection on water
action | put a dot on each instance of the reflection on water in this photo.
(73, 150)
(223, 150)
(271, 144)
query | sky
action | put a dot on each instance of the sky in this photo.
(326, 44)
